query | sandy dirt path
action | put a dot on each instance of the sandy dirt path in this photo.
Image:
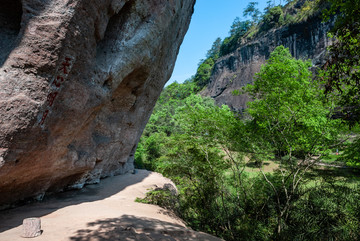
(100, 212)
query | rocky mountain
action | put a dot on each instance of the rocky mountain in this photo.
(78, 82)
(305, 40)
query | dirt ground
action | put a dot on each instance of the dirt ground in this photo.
(105, 211)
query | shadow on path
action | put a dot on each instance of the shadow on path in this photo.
(107, 187)
(128, 227)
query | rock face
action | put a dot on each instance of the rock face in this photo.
(78, 81)
(306, 40)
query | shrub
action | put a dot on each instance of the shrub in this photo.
(273, 18)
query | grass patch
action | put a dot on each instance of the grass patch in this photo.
(252, 32)
(339, 175)
(267, 167)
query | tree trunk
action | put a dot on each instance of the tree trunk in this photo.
(279, 226)
(31, 227)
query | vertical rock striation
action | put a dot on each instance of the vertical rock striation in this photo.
(78, 82)
(306, 40)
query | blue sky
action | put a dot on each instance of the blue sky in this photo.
(211, 19)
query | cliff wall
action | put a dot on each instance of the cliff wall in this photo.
(78, 82)
(305, 40)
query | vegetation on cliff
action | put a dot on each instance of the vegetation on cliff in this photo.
(267, 174)
(257, 23)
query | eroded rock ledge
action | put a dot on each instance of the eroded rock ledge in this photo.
(78, 81)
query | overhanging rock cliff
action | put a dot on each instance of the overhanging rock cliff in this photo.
(78, 81)
(305, 40)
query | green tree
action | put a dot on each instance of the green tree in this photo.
(269, 5)
(161, 124)
(206, 155)
(272, 18)
(290, 122)
(215, 50)
(341, 73)
(195, 162)
(252, 11)
(203, 72)
(237, 31)
(342, 70)
(239, 27)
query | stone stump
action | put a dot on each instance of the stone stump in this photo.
(31, 227)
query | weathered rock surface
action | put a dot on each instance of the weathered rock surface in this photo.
(78, 81)
(306, 40)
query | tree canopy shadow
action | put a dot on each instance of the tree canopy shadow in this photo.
(128, 227)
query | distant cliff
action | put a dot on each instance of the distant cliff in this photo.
(306, 40)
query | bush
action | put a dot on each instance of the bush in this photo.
(273, 18)
(237, 31)
(140, 156)
(327, 212)
(203, 73)
(162, 198)
(289, 19)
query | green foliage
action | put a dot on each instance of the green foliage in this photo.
(351, 155)
(176, 91)
(273, 18)
(195, 162)
(289, 19)
(239, 27)
(327, 212)
(149, 150)
(140, 156)
(161, 120)
(288, 118)
(229, 45)
(204, 70)
(237, 31)
(252, 12)
(193, 159)
(161, 124)
(288, 111)
(218, 197)
(206, 150)
(203, 73)
(349, 13)
(236, 92)
(341, 72)
(162, 198)
(213, 53)
(310, 9)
